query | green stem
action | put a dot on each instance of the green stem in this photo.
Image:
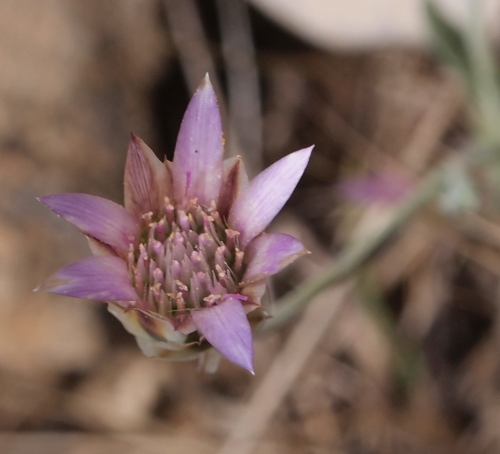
(353, 256)
(484, 73)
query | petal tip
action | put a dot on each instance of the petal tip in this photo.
(47, 285)
(197, 163)
(307, 151)
(266, 194)
(243, 363)
(45, 199)
(51, 202)
(305, 154)
(249, 368)
(225, 326)
(207, 87)
(206, 81)
(135, 143)
(147, 180)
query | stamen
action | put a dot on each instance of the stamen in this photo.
(189, 259)
(238, 262)
(183, 220)
(161, 230)
(164, 304)
(194, 290)
(220, 259)
(231, 238)
(176, 270)
(155, 291)
(138, 281)
(169, 211)
(152, 268)
(142, 262)
(211, 299)
(158, 251)
(130, 263)
(192, 222)
(148, 217)
(158, 276)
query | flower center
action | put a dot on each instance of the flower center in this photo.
(186, 258)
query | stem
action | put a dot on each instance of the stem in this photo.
(483, 72)
(352, 257)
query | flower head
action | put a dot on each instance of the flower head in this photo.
(385, 187)
(183, 265)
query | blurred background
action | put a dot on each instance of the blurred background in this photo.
(402, 356)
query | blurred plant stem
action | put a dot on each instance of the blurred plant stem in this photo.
(471, 54)
(354, 255)
(484, 75)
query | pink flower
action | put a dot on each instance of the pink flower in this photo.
(184, 264)
(384, 187)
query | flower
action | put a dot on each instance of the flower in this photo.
(384, 187)
(183, 265)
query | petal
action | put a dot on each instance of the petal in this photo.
(255, 292)
(99, 248)
(155, 349)
(226, 327)
(147, 326)
(269, 253)
(197, 165)
(166, 342)
(234, 180)
(147, 180)
(99, 278)
(100, 218)
(266, 194)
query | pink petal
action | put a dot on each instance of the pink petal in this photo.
(147, 180)
(99, 278)
(234, 180)
(269, 253)
(100, 218)
(266, 194)
(197, 165)
(226, 328)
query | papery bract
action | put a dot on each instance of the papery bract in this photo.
(183, 266)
